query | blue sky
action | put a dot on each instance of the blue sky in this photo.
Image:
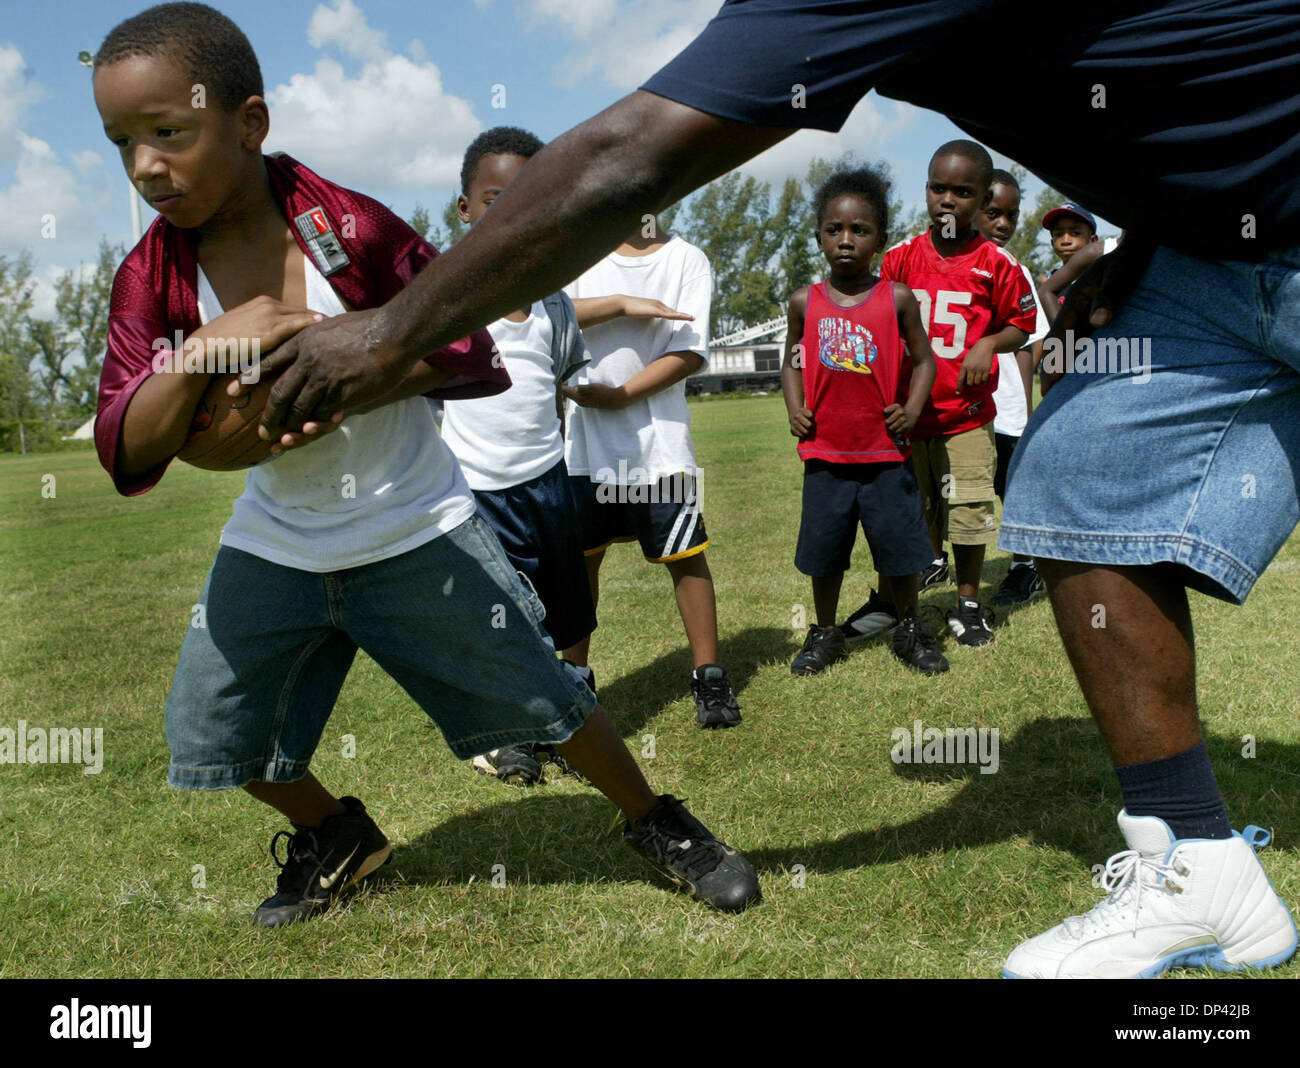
(380, 95)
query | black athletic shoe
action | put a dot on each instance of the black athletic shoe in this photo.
(515, 764)
(970, 622)
(935, 574)
(916, 647)
(871, 620)
(1023, 583)
(715, 700)
(685, 850)
(321, 862)
(823, 647)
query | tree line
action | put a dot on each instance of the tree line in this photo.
(761, 243)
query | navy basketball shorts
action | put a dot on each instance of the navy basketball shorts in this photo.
(538, 528)
(884, 498)
(664, 516)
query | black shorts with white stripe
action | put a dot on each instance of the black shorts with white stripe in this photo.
(664, 516)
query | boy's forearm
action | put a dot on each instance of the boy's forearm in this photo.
(592, 311)
(792, 389)
(1025, 364)
(157, 421)
(923, 376)
(666, 371)
(1008, 339)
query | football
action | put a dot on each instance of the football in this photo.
(223, 433)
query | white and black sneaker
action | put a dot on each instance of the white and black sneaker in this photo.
(871, 620)
(1023, 583)
(513, 764)
(936, 573)
(321, 862)
(686, 851)
(970, 622)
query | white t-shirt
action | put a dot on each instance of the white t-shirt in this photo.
(1009, 397)
(511, 438)
(650, 439)
(380, 485)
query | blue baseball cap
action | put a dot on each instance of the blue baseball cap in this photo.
(1049, 220)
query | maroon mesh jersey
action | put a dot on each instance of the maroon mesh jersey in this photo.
(155, 293)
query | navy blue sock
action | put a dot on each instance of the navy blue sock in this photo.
(1181, 790)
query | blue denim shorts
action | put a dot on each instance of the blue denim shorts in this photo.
(451, 621)
(1196, 464)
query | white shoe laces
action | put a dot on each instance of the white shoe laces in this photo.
(1123, 880)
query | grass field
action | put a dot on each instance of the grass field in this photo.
(869, 868)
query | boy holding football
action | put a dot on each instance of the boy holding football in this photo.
(365, 538)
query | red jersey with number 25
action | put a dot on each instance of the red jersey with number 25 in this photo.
(963, 298)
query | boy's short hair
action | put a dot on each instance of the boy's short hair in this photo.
(1001, 177)
(211, 49)
(498, 141)
(872, 184)
(971, 150)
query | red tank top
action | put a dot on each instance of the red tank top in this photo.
(852, 371)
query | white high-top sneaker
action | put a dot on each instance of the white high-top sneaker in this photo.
(1194, 902)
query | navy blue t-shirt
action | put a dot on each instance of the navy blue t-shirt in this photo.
(1178, 119)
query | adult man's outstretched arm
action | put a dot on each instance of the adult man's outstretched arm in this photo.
(573, 203)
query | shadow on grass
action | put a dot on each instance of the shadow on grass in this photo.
(637, 697)
(537, 837)
(1055, 786)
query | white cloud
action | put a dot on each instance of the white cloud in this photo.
(871, 133)
(42, 201)
(623, 43)
(16, 95)
(389, 125)
(345, 28)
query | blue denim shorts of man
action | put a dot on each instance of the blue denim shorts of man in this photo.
(450, 620)
(1190, 459)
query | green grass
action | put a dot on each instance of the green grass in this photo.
(907, 871)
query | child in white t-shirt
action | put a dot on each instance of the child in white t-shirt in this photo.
(511, 445)
(628, 442)
(997, 221)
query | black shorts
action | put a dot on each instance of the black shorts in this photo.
(663, 516)
(883, 497)
(1006, 445)
(538, 529)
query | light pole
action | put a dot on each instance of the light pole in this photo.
(87, 60)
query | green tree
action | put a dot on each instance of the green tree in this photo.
(18, 397)
(420, 221)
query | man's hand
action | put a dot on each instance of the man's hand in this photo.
(802, 423)
(899, 421)
(1099, 294)
(977, 366)
(328, 368)
(597, 395)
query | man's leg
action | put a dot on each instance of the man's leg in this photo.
(1128, 633)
